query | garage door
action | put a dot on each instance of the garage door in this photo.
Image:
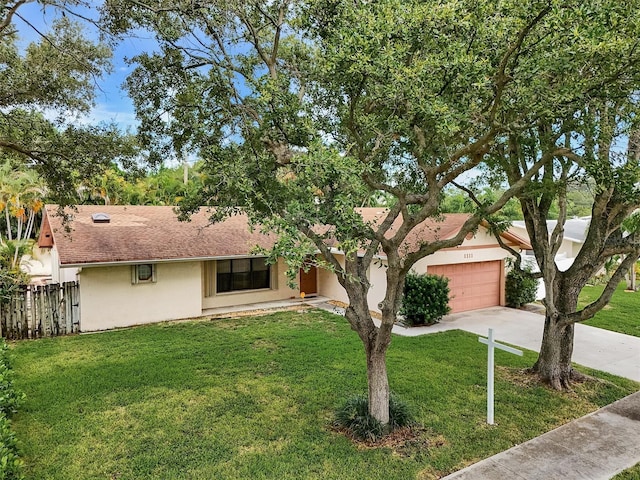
(471, 285)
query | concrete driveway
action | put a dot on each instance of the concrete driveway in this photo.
(594, 447)
(593, 347)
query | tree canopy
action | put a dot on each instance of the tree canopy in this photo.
(302, 111)
(604, 136)
(43, 86)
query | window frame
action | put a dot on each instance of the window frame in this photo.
(136, 270)
(258, 276)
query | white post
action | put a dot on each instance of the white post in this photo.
(491, 345)
(490, 378)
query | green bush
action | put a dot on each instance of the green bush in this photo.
(426, 299)
(10, 398)
(520, 288)
(10, 463)
(354, 416)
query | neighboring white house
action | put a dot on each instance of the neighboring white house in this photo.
(575, 234)
(139, 264)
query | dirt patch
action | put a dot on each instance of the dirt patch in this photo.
(337, 303)
(526, 378)
(404, 442)
(257, 313)
(519, 376)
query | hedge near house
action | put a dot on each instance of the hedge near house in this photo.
(426, 299)
(520, 288)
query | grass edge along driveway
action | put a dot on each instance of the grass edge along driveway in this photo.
(253, 397)
(620, 315)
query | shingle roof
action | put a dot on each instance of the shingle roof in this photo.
(430, 230)
(441, 228)
(153, 233)
(148, 233)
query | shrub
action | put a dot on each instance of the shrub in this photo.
(426, 299)
(354, 416)
(520, 287)
(10, 398)
(10, 463)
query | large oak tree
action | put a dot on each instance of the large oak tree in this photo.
(302, 110)
(605, 143)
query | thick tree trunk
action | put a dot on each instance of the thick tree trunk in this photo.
(554, 361)
(375, 343)
(376, 339)
(378, 386)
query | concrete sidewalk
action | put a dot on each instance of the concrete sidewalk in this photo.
(595, 447)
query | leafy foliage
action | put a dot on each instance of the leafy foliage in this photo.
(57, 74)
(10, 399)
(455, 202)
(11, 275)
(164, 186)
(11, 465)
(520, 287)
(425, 299)
(354, 416)
(302, 110)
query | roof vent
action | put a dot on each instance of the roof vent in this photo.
(100, 218)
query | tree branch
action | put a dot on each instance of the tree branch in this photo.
(6, 22)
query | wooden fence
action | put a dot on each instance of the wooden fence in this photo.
(41, 311)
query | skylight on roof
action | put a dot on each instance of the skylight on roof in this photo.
(100, 217)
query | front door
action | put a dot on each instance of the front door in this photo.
(309, 281)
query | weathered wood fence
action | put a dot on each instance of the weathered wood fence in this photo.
(36, 311)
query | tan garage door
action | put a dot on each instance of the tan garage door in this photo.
(471, 285)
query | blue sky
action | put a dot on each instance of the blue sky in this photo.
(112, 103)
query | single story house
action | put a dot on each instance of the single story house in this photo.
(139, 264)
(575, 234)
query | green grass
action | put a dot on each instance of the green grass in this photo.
(254, 398)
(621, 315)
(632, 473)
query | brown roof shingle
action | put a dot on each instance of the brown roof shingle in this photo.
(153, 233)
(148, 233)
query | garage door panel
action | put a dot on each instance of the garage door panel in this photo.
(472, 285)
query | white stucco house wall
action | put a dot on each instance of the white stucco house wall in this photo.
(139, 264)
(575, 234)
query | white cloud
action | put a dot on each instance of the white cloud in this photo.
(103, 113)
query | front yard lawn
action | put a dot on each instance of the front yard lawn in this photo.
(254, 398)
(622, 313)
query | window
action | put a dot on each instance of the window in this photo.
(143, 273)
(242, 274)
